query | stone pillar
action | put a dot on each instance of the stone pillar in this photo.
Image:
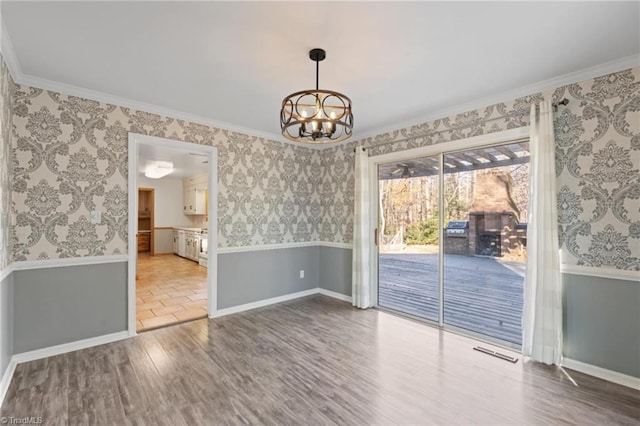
(473, 233)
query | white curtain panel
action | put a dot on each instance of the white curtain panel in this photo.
(361, 279)
(542, 312)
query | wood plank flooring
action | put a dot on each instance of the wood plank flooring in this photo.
(481, 294)
(312, 361)
(169, 290)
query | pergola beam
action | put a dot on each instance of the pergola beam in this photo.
(462, 168)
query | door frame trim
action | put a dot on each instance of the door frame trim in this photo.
(135, 140)
(511, 135)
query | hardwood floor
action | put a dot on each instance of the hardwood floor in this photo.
(312, 361)
(169, 290)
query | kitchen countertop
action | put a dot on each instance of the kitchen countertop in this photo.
(187, 229)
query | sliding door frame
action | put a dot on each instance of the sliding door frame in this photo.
(436, 150)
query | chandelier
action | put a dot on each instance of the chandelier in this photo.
(316, 116)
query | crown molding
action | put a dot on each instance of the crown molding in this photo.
(68, 89)
(22, 78)
(541, 86)
(8, 53)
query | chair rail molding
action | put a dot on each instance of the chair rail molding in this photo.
(68, 261)
(609, 273)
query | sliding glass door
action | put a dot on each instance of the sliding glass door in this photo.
(474, 256)
(408, 262)
(486, 195)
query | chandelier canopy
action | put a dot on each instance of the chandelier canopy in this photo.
(316, 116)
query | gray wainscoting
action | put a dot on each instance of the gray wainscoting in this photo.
(59, 305)
(335, 269)
(6, 322)
(252, 276)
(602, 322)
(163, 240)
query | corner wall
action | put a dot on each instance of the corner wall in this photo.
(70, 158)
(335, 270)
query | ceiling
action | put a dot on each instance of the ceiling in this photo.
(185, 164)
(234, 62)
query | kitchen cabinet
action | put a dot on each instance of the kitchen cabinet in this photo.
(194, 201)
(195, 195)
(144, 241)
(175, 241)
(145, 202)
(186, 243)
(193, 241)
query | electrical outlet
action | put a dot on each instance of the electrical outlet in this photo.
(302, 273)
(96, 217)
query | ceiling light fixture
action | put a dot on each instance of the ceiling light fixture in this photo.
(158, 169)
(316, 116)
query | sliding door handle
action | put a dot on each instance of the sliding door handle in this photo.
(375, 236)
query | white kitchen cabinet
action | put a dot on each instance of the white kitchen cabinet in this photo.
(194, 201)
(195, 195)
(186, 242)
(175, 241)
(192, 245)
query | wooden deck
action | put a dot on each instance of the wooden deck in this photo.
(481, 294)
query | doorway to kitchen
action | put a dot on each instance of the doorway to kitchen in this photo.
(452, 236)
(172, 232)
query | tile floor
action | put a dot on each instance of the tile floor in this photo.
(169, 290)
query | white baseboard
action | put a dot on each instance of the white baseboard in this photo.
(261, 303)
(335, 295)
(69, 347)
(6, 379)
(279, 299)
(602, 373)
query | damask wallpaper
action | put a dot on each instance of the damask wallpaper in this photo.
(70, 157)
(5, 166)
(597, 164)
